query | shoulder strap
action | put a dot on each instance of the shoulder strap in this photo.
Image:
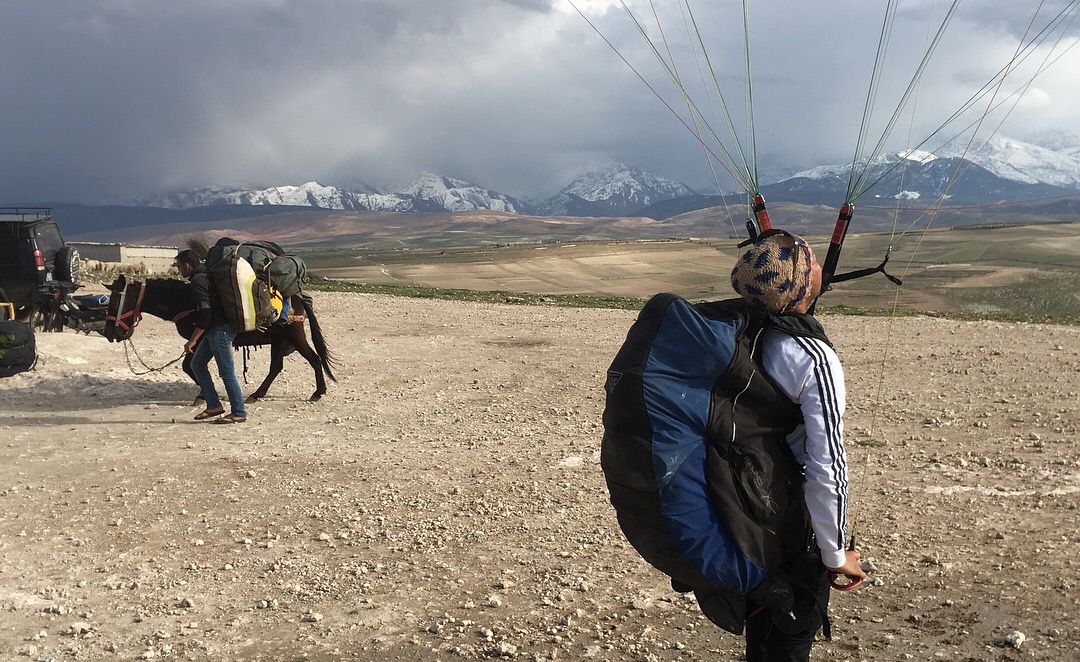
(801, 325)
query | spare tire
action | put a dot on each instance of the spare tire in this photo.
(68, 266)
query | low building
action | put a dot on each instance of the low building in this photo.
(156, 259)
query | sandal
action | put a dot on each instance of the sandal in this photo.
(232, 418)
(209, 413)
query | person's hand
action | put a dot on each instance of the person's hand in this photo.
(189, 346)
(851, 569)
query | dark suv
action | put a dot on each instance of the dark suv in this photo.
(38, 272)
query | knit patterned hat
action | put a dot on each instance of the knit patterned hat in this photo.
(775, 273)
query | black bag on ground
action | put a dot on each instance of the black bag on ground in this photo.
(18, 349)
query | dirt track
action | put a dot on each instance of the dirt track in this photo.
(445, 500)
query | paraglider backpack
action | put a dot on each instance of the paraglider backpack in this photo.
(694, 452)
(18, 349)
(245, 297)
(283, 275)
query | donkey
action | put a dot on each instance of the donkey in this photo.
(171, 300)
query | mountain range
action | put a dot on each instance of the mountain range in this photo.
(1001, 170)
(615, 191)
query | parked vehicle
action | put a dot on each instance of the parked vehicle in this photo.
(39, 272)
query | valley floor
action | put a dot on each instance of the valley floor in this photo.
(445, 499)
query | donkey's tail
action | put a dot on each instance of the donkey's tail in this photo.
(325, 355)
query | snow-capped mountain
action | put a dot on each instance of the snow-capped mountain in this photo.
(1008, 158)
(311, 194)
(1025, 162)
(616, 191)
(456, 195)
(999, 170)
(1057, 140)
(825, 172)
(429, 192)
(187, 198)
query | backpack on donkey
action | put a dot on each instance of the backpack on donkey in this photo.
(260, 298)
(245, 297)
(695, 457)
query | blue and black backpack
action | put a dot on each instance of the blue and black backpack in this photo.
(694, 451)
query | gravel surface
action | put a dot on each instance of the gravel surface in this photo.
(445, 499)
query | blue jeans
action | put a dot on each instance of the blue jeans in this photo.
(217, 341)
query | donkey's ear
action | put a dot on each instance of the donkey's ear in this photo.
(199, 244)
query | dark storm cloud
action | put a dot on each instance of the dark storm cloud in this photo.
(110, 99)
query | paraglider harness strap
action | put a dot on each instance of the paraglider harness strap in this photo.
(836, 244)
(247, 351)
(869, 271)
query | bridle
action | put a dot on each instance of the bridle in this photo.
(124, 322)
(123, 327)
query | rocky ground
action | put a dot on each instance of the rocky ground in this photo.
(445, 499)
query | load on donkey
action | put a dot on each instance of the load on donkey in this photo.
(275, 271)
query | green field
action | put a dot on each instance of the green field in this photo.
(1027, 272)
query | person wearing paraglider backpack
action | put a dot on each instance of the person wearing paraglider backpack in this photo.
(216, 335)
(723, 450)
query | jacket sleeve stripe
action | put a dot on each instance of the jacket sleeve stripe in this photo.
(824, 376)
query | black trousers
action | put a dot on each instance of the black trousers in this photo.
(787, 637)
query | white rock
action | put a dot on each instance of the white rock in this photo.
(1014, 639)
(505, 649)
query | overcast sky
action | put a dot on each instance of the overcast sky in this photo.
(106, 100)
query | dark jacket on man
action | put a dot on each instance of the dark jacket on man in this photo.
(208, 309)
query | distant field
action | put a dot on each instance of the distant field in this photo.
(1018, 261)
(1029, 270)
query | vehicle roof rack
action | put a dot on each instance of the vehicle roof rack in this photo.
(25, 213)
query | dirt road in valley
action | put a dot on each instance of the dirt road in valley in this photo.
(445, 499)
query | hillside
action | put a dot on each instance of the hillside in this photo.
(958, 265)
(1012, 270)
(312, 229)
